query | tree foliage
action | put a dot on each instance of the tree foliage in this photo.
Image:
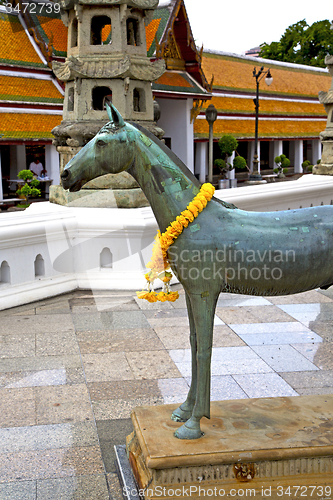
(228, 144)
(30, 187)
(282, 163)
(302, 44)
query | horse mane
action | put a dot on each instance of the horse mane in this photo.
(169, 153)
(177, 161)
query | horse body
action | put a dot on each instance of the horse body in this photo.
(223, 249)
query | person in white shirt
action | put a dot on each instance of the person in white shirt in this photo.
(36, 167)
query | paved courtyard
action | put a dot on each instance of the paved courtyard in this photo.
(72, 368)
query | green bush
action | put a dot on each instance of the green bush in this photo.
(30, 187)
(307, 165)
(239, 162)
(228, 144)
(25, 175)
(221, 164)
(282, 163)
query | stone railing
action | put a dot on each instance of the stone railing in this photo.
(49, 249)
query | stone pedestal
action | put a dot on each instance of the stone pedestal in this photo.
(111, 190)
(325, 167)
(326, 98)
(106, 62)
(271, 447)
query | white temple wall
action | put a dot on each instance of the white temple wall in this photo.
(52, 163)
(175, 121)
(49, 249)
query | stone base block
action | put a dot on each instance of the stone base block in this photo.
(254, 183)
(270, 447)
(95, 198)
(322, 169)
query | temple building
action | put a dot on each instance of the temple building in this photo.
(31, 96)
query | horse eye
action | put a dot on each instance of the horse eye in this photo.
(100, 143)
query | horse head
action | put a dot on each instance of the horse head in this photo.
(111, 151)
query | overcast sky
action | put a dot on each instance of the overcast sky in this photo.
(239, 25)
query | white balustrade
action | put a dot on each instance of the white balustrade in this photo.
(48, 249)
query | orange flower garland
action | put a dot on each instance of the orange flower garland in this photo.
(159, 264)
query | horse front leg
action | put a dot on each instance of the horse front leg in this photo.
(203, 309)
(184, 411)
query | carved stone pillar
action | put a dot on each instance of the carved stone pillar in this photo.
(326, 98)
(106, 61)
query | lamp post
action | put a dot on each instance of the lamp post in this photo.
(211, 115)
(255, 175)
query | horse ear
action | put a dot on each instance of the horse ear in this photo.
(114, 115)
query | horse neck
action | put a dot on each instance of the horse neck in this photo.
(169, 187)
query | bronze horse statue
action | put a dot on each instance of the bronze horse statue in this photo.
(223, 250)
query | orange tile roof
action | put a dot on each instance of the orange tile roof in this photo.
(151, 31)
(28, 125)
(54, 30)
(156, 27)
(173, 79)
(267, 128)
(236, 73)
(15, 47)
(14, 88)
(106, 31)
(246, 106)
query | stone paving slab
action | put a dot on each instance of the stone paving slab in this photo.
(72, 368)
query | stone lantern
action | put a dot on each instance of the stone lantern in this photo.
(106, 61)
(326, 98)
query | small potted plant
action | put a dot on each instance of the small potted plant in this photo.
(282, 163)
(29, 189)
(228, 144)
(307, 166)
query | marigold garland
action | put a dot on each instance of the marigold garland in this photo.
(159, 264)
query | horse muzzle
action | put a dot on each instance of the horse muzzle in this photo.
(67, 182)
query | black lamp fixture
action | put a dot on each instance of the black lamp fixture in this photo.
(211, 115)
(255, 175)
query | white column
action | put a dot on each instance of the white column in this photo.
(176, 122)
(250, 155)
(277, 151)
(316, 151)
(52, 163)
(21, 157)
(189, 136)
(298, 156)
(201, 160)
(13, 162)
(231, 173)
(1, 191)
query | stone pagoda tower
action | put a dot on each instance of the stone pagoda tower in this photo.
(326, 98)
(106, 61)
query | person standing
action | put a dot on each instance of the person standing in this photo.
(36, 167)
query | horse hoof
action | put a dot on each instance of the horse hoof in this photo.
(190, 430)
(180, 415)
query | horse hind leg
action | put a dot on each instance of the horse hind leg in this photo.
(203, 309)
(184, 411)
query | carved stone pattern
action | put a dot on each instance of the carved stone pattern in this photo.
(141, 4)
(325, 97)
(266, 469)
(108, 68)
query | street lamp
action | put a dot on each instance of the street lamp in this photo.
(211, 115)
(255, 175)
